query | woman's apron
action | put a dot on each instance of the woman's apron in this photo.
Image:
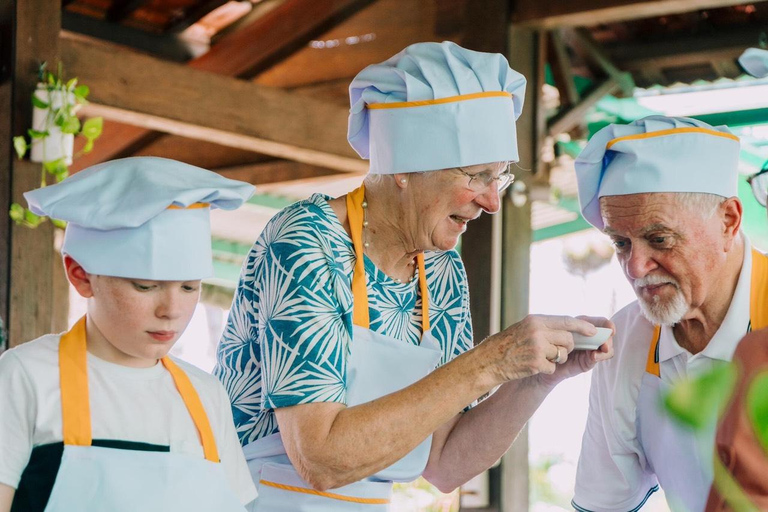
(377, 366)
(94, 478)
(680, 457)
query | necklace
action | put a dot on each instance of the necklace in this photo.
(366, 244)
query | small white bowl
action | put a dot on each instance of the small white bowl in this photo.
(581, 342)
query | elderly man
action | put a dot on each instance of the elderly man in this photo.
(664, 189)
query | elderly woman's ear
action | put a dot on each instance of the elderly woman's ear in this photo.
(401, 180)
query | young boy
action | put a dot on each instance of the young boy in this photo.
(100, 418)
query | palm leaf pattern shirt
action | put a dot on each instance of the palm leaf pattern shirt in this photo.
(290, 327)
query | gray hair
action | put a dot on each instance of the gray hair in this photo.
(703, 204)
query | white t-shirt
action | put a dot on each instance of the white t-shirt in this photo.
(127, 404)
(613, 474)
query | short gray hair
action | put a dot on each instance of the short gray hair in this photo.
(701, 203)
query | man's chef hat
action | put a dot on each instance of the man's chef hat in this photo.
(435, 106)
(755, 62)
(141, 217)
(656, 154)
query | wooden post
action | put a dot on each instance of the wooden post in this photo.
(526, 55)
(27, 284)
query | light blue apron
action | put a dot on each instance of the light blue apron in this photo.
(95, 478)
(377, 366)
(681, 458)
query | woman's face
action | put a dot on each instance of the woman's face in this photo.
(443, 202)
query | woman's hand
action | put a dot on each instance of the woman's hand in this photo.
(581, 361)
(531, 346)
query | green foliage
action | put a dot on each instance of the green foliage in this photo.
(697, 401)
(757, 408)
(63, 116)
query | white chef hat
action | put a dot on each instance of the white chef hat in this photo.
(435, 106)
(141, 217)
(656, 154)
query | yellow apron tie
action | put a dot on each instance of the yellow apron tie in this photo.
(75, 401)
(360, 314)
(758, 308)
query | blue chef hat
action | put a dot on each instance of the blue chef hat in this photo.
(755, 62)
(435, 106)
(141, 217)
(656, 154)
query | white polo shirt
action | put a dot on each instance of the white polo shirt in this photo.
(612, 473)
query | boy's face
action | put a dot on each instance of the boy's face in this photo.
(138, 321)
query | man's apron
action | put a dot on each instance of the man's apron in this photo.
(377, 366)
(680, 457)
(94, 478)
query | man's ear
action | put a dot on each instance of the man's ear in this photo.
(732, 214)
(79, 278)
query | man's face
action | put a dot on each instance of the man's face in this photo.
(668, 252)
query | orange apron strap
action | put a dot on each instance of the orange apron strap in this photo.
(424, 292)
(355, 200)
(73, 375)
(360, 314)
(652, 366)
(758, 309)
(195, 408)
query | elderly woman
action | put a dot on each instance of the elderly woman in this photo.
(348, 352)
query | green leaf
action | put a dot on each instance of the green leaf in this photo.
(37, 102)
(16, 212)
(757, 408)
(70, 125)
(57, 168)
(92, 127)
(21, 146)
(37, 134)
(71, 83)
(59, 223)
(82, 91)
(88, 146)
(51, 79)
(696, 402)
(32, 220)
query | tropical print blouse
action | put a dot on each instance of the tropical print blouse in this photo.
(289, 330)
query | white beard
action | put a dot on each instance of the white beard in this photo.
(657, 312)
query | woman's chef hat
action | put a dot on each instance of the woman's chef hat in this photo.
(755, 62)
(141, 217)
(435, 106)
(656, 154)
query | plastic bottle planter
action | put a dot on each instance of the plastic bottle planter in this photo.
(56, 144)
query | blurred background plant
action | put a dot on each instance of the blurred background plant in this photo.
(50, 141)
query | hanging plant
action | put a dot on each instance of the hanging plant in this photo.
(51, 139)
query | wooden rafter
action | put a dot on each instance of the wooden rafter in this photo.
(276, 171)
(140, 90)
(266, 30)
(120, 9)
(556, 13)
(277, 34)
(194, 14)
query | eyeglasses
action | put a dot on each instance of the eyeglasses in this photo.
(482, 180)
(759, 183)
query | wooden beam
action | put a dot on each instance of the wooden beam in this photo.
(558, 13)
(169, 47)
(276, 35)
(562, 69)
(28, 281)
(274, 172)
(598, 54)
(565, 121)
(120, 9)
(144, 91)
(7, 49)
(195, 14)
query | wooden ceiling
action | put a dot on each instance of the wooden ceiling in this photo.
(302, 54)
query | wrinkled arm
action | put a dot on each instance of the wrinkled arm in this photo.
(332, 445)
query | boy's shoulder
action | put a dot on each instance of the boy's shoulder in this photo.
(40, 351)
